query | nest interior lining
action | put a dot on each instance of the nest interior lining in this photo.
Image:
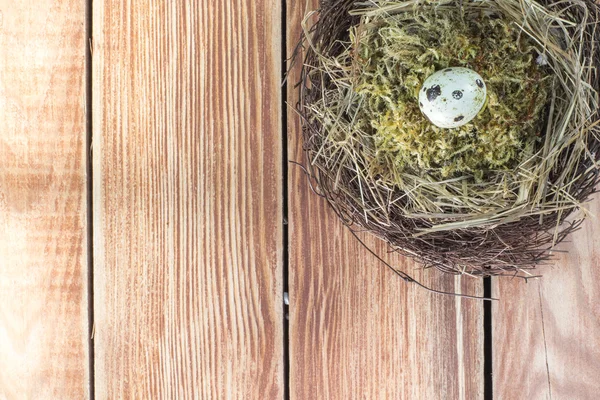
(393, 55)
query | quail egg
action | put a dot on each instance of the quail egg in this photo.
(452, 97)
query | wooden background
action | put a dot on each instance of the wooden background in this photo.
(152, 263)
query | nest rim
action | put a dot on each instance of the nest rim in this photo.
(497, 247)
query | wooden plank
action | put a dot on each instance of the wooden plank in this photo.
(357, 330)
(43, 222)
(188, 199)
(547, 332)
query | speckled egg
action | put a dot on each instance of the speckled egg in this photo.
(452, 97)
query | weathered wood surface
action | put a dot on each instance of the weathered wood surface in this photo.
(188, 238)
(188, 199)
(43, 222)
(547, 332)
(356, 330)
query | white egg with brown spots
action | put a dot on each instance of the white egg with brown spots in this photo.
(452, 97)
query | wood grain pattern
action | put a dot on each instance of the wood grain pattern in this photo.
(43, 228)
(547, 332)
(356, 330)
(188, 199)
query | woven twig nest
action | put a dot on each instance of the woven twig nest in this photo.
(492, 197)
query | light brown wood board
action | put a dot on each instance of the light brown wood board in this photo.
(43, 217)
(187, 199)
(357, 331)
(546, 336)
(188, 233)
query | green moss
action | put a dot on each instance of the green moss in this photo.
(393, 55)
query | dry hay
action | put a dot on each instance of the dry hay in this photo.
(490, 198)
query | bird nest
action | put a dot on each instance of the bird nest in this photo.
(492, 197)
